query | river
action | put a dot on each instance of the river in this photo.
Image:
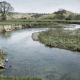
(29, 58)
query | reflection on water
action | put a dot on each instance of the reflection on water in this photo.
(7, 34)
(32, 59)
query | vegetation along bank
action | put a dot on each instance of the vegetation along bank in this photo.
(2, 54)
(10, 25)
(19, 78)
(60, 38)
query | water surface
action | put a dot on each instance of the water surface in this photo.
(32, 59)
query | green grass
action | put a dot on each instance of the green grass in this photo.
(19, 78)
(2, 54)
(60, 38)
(1, 70)
(32, 20)
(33, 24)
(38, 23)
(21, 23)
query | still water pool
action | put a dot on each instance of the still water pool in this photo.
(32, 59)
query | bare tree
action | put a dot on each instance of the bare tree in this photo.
(5, 9)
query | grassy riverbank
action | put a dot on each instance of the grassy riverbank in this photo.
(30, 24)
(39, 23)
(18, 78)
(2, 54)
(66, 39)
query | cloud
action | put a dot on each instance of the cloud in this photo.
(27, 9)
(53, 4)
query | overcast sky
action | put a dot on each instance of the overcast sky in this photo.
(44, 6)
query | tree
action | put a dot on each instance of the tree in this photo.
(71, 16)
(37, 15)
(5, 9)
(60, 13)
(77, 17)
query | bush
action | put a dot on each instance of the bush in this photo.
(68, 18)
(3, 17)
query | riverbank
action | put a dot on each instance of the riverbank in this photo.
(65, 39)
(13, 24)
(2, 54)
(35, 36)
(19, 78)
(6, 28)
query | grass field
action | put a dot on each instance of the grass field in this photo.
(2, 54)
(42, 22)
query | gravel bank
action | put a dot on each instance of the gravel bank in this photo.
(35, 36)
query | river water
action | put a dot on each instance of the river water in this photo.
(29, 58)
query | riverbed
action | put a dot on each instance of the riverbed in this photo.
(28, 58)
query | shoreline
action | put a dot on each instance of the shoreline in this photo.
(35, 36)
(2, 65)
(8, 28)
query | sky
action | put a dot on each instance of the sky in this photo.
(44, 6)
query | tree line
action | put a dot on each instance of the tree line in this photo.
(61, 14)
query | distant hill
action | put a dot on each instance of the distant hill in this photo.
(39, 15)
